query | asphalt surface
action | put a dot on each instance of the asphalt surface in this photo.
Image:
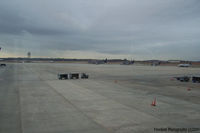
(115, 99)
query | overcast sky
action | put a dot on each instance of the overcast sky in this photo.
(133, 29)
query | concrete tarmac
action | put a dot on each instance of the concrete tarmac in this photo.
(115, 99)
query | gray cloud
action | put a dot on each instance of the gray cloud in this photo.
(146, 29)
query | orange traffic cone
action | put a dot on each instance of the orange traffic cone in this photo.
(188, 89)
(153, 102)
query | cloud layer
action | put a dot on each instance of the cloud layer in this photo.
(145, 29)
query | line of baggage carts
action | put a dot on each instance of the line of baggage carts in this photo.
(195, 79)
(2, 65)
(73, 76)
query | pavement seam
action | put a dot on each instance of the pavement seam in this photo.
(20, 107)
(20, 111)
